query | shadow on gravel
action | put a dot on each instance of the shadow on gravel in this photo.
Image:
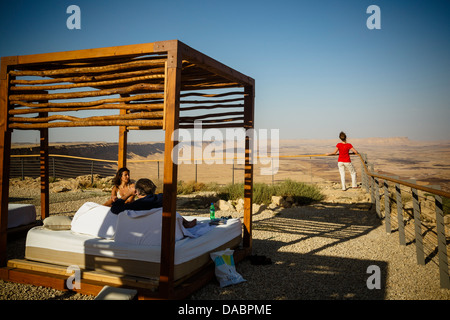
(301, 242)
(313, 273)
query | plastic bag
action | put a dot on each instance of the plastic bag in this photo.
(225, 269)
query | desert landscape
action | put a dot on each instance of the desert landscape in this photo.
(427, 162)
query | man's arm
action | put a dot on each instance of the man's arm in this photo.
(120, 204)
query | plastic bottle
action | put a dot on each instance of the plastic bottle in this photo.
(212, 212)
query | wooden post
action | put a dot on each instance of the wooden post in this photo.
(387, 207)
(376, 187)
(372, 185)
(232, 173)
(442, 244)
(248, 175)
(172, 106)
(44, 168)
(123, 140)
(364, 177)
(5, 150)
(401, 225)
(417, 226)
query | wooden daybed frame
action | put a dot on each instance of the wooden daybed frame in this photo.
(149, 84)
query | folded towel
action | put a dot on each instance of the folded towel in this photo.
(199, 229)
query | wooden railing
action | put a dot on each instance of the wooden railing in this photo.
(373, 182)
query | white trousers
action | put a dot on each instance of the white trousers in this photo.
(351, 169)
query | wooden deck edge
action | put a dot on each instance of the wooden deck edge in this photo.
(92, 282)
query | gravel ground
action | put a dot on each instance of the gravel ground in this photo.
(320, 251)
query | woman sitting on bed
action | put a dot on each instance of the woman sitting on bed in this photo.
(144, 190)
(122, 185)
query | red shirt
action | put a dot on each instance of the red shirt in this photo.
(344, 148)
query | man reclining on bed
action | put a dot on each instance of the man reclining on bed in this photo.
(144, 190)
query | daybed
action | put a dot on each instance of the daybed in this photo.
(20, 214)
(128, 243)
(164, 85)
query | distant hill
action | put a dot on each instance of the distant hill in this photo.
(97, 150)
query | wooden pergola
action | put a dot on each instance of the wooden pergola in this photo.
(162, 85)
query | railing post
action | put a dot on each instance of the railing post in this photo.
(271, 163)
(195, 164)
(158, 169)
(23, 168)
(372, 185)
(363, 172)
(387, 207)
(53, 169)
(377, 197)
(417, 226)
(401, 225)
(92, 172)
(232, 173)
(442, 244)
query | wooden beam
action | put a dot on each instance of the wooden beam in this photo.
(44, 171)
(172, 106)
(123, 140)
(140, 97)
(5, 150)
(81, 123)
(127, 50)
(135, 88)
(248, 174)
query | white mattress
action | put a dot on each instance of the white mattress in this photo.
(20, 214)
(185, 249)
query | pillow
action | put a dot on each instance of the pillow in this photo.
(144, 227)
(96, 220)
(58, 223)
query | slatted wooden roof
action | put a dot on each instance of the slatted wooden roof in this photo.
(73, 86)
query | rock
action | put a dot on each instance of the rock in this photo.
(224, 205)
(276, 200)
(280, 201)
(447, 219)
(58, 189)
(258, 208)
(240, 205)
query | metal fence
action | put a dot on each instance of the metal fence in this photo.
(61, 167)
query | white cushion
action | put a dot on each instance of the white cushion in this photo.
(96, 220)
(144, 227)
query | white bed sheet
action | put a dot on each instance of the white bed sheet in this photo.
(186, 249)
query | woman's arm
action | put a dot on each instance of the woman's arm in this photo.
(114, 193)
(335, 151)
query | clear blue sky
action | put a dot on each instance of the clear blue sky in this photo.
(318, 68)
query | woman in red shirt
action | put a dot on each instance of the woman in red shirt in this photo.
(344, 160)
